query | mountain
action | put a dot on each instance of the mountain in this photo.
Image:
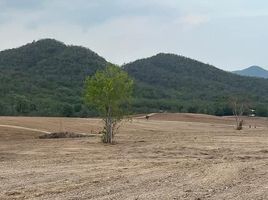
(45, 78)
(176, 83)
(253, 71)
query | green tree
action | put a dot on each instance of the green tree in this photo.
(22, 104)
(109, 91)
(67, 110)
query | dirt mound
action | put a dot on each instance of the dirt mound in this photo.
(62, 135)
(189, 117)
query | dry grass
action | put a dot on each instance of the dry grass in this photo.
(170, 156)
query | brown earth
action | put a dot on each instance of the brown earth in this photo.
(169, 156)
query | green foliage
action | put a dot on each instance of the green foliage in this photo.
(109, 91)
(46, 78)
(262, 110)
(109, 88)
(174, 83)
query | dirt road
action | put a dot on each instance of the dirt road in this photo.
(166, 157)
(23, 128)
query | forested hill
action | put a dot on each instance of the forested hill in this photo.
(45, 78)
(172, 82)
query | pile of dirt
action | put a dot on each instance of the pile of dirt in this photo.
(62, 135)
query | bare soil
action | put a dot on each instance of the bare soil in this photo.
(169, 156)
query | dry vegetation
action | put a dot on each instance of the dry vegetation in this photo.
(169, 156)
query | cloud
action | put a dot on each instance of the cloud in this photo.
(193, 20)
(20, 5)
(218, 32)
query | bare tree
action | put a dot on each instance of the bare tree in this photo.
(239, 107)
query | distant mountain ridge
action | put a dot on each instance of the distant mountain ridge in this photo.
(46, 78)
(253, 71)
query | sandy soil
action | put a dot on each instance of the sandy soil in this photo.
(169, 156)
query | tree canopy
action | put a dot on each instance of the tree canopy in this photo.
(109, 91)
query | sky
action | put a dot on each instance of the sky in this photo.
(229, 34)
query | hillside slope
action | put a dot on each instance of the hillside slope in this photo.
(253, 71)
(176, 83)
(45, 78)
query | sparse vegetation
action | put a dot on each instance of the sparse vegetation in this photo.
(239, 108)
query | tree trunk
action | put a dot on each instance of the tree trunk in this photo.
(109, 127)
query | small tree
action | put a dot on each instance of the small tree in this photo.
(110, 91)
(239, 107)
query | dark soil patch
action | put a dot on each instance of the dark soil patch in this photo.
(62, 135)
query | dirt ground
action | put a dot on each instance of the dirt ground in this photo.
(169, 156)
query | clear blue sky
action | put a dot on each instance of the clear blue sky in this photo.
(230, 34)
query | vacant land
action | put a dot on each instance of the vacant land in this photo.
(169, 156)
